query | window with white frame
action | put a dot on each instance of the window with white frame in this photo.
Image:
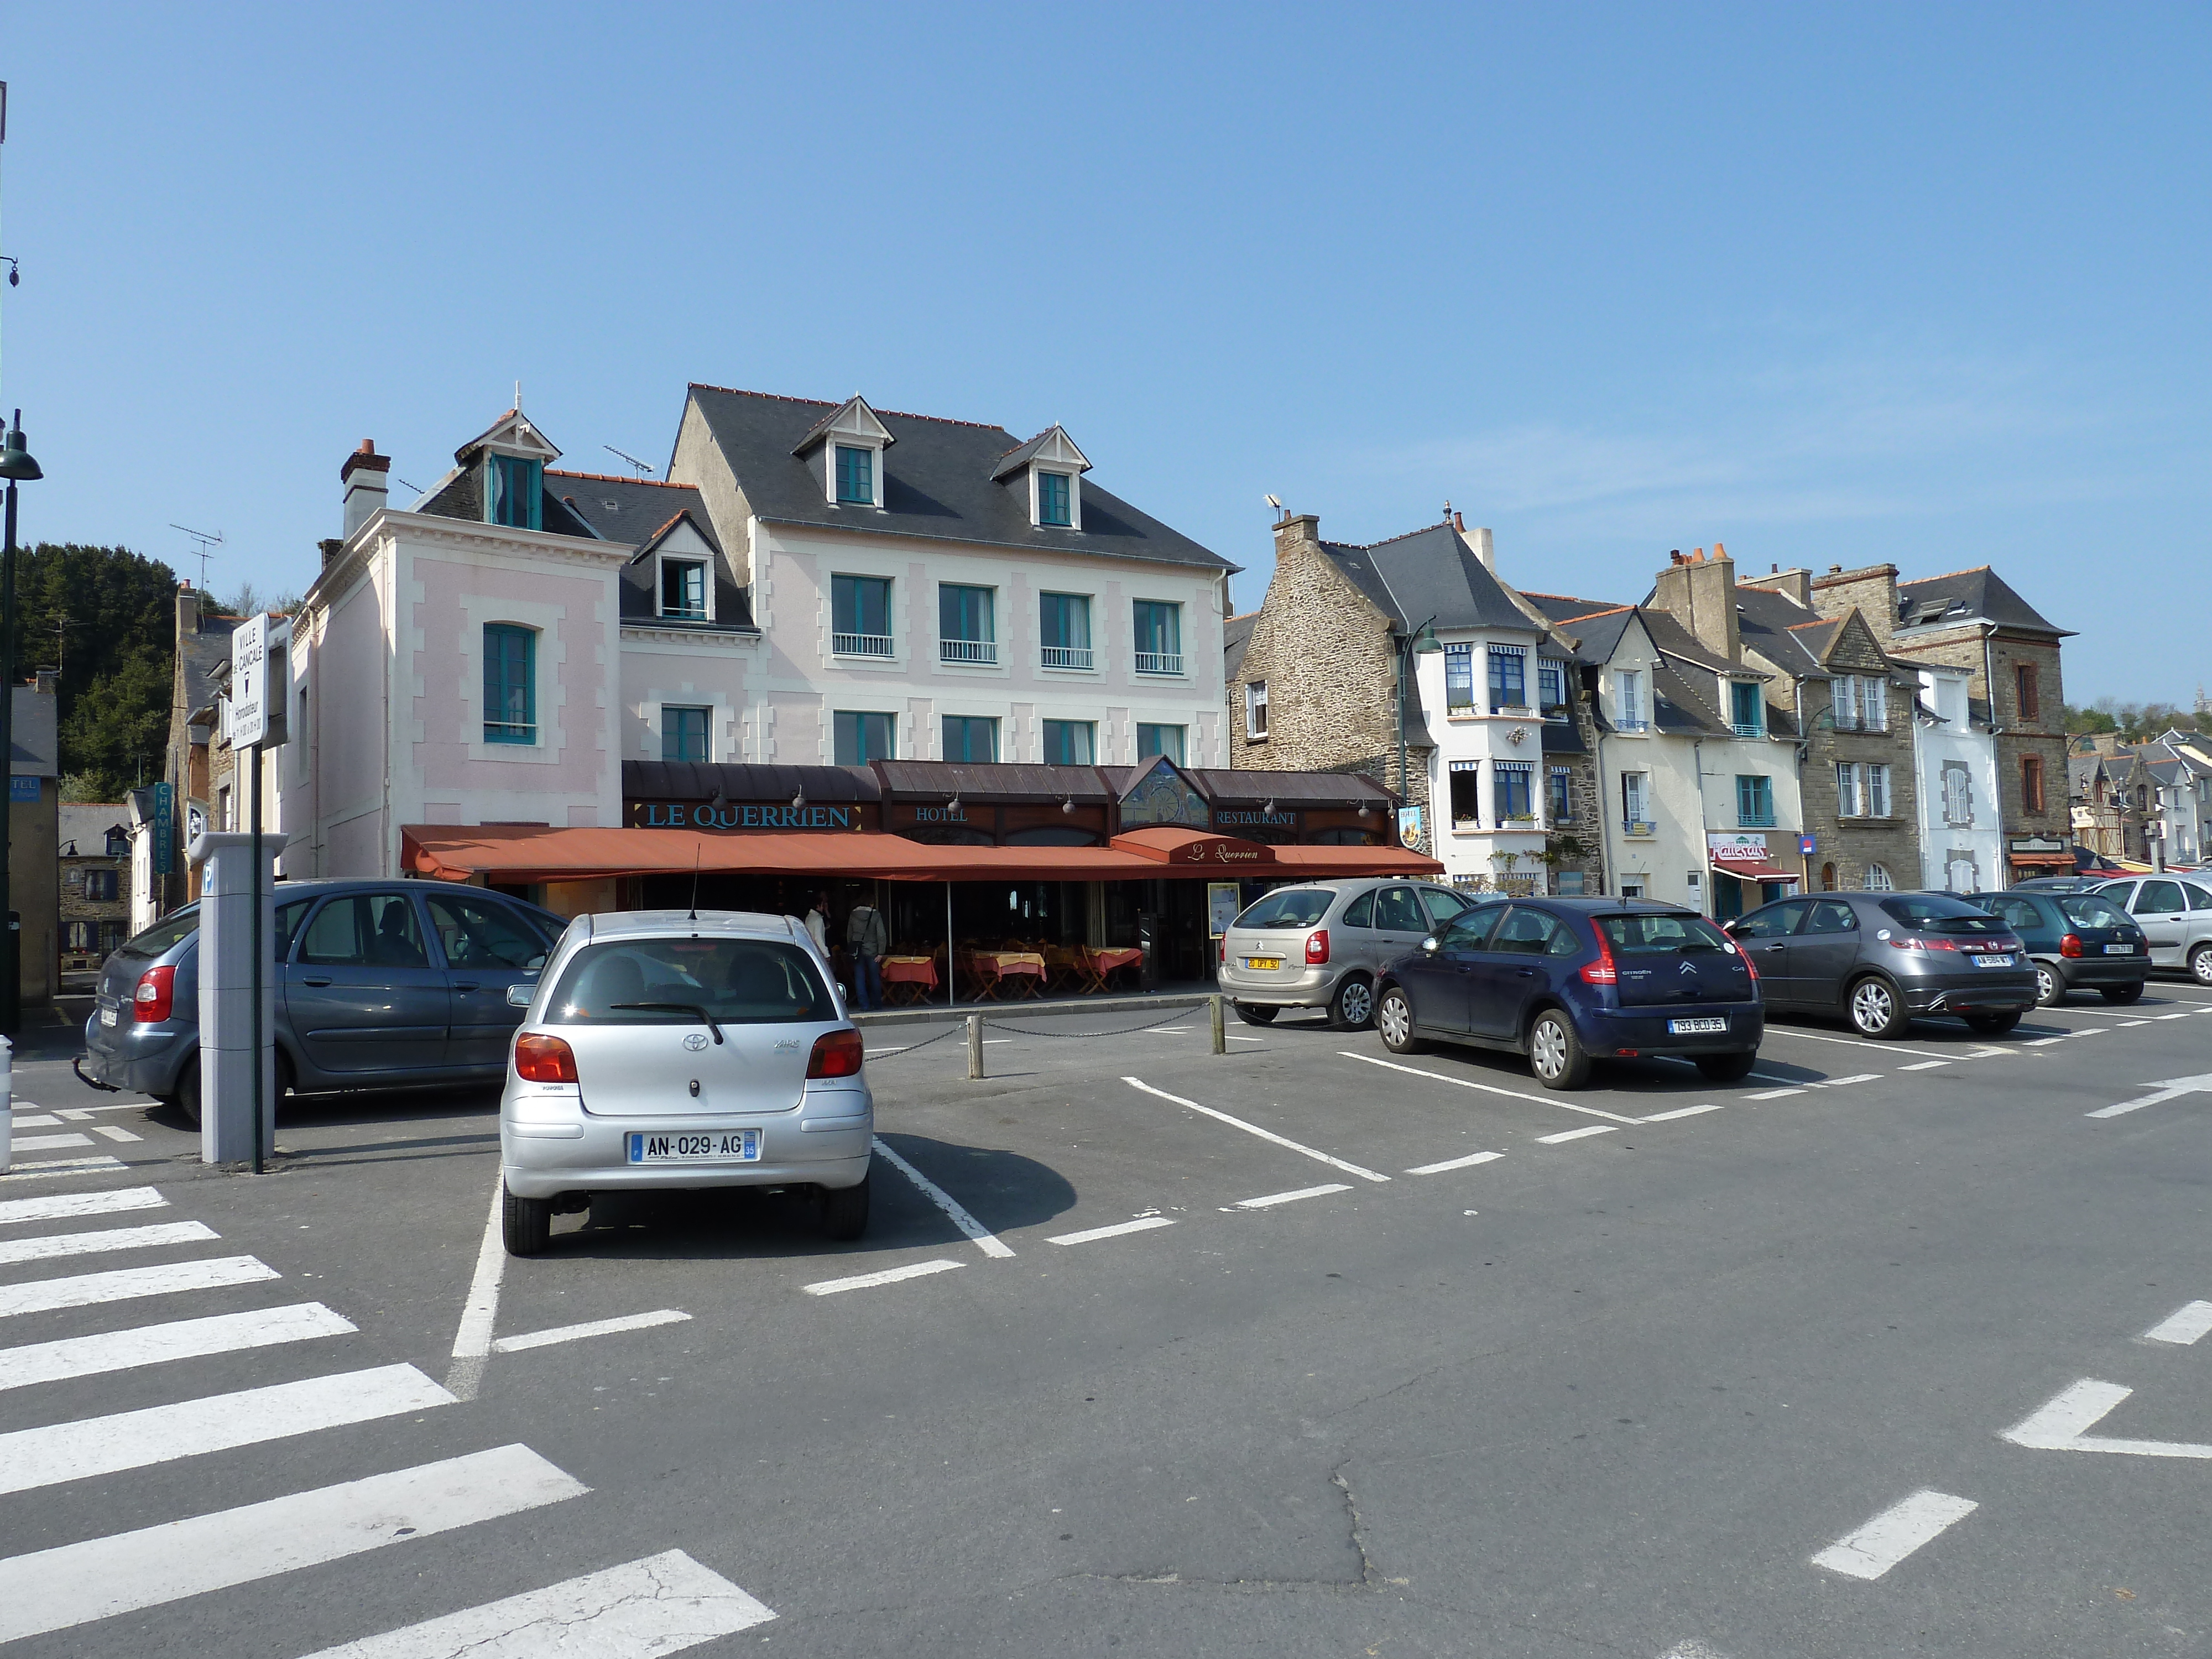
(861, 616)
(1878, 879)
(1509, 678)
(1055, 509)
(1636, 802)
(684, 592)
(1848, 804)
(1873, 703)
(1628, 700)
(1256, 711)
(1958, 795)
(1877, 790)
(1861, 790)
(1846, 695)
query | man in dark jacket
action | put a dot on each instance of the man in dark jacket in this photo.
(866, 932)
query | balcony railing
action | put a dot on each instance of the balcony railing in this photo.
(1067, 656)
(1159, 662)
(1743, 729)
(1631, 723)
(1754, 820)
(982, 651)
(685, 612)
(861, 645)
(1638, 827)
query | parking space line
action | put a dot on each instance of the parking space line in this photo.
(2183, 1014)
(983, 1238)
(2061, 1424)
(1288, 1198)
(2039, 1042)
(2184, 1326)
(1143, 1223)
(546, 1339)
(2125, 1023)
(1679, 1111)
(59, 1205)
(1575, 1134)
(888, 1276)
(106, 1238)
(472, 1336)
(1838, 1082)
(1774, 1094)
(1894, 1534)
(1467, 1162)
(1930, 1065)
(1254, 1129)
(1848, 1042)
(1486, 1088)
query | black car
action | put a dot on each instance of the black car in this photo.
(1567, 981)
(1882, 959)
(2079, 941)
(2060, 884)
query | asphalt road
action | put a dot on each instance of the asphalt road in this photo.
(1661, 1368)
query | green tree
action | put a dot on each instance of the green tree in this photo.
(107, 617)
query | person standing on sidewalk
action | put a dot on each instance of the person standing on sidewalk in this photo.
(817, 921)
(866, 932)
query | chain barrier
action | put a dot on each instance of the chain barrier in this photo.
(959, 1027)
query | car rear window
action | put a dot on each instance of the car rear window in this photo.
(162, 936)
(1288, 907)
(1659, 933)
(735, 982)
(2087, 910)
(1942, 916)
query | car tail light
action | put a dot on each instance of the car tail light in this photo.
(836, 1053)
(1905, 942)
(1221, 950)
(1316, 947)
(1601, 972)
(544, 1059)
(2070, 945)
(156, 995)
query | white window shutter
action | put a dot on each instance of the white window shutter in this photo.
(1877, 704)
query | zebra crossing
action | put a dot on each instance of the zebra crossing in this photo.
(660, 1604)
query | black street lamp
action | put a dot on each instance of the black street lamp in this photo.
(1415, 642)
(16, 466)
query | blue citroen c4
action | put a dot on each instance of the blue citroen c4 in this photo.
(1568, 982)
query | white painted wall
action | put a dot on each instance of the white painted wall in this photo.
(1948, 850)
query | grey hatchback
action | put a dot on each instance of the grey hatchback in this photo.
(380, 984)
(1321, 944)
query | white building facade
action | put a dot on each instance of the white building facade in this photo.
(1955, 757)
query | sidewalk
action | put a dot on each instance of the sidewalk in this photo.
(1185, 995)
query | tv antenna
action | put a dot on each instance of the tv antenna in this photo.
(645, 469)
(209, 541)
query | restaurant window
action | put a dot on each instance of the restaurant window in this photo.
(1466, 794)
(861, 616)
(683, 734)
(1159, 637)
(1509, 678)
(510, 683)
(972, 738)
(967, 624)
(1746, 710)
(1064, 630)
(1560, 796)
(1552, 690)
(1459, 680)
(1754, 801)
(683, 589)
(856, 476)
(1256, 711)
(1511, 783)
(1159, 740)
(1070, 743)
(860, 738)
(2031, 783)
(2027, 687)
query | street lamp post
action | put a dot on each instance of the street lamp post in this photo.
(1417, 642)
(16, 466)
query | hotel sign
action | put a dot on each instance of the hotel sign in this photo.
(745, 817)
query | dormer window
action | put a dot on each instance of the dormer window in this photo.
(683, 589)
(1052, 468)
(515, 487)
(1053, 499)
(844, 450)
(856, 476)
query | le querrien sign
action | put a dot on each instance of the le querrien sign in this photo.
(741, 818)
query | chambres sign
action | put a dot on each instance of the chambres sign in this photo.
(748, 818)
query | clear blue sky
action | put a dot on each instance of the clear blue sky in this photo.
(1829, 286)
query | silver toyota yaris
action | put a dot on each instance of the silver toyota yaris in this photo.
(663, 1049)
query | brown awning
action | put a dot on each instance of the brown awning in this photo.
(1757, 870)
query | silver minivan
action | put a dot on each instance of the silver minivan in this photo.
(1321, 944)
(2175, 915)
(663, 1049)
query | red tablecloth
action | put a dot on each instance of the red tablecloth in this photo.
(918, 971)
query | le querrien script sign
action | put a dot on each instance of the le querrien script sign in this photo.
(743, 817)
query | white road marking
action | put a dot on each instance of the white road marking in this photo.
(1486, 1088)
(472, 1336)
(110, 1238)
(2089, 1031)
(83, 1290)
(1575, 1134)
(1692, 1650)
(111, 1132)
(985, 1239)
(1679, 1111)
(546, 1339)
(1143, 1223)
(2183, 1014)
(1233, 1037)
(2038, 1042)
(2168, 1089)
(153, 1344)
(1768, 1077)
(50, 1168)
(662, 1604)
(1468, 1162)
(73, 1114)
(2060, 1425)
(2125, 1023)
(1840, 1082)
(137, 1105)
(1894, 1534)
(56, 1205)
(59, 1452)
(1854, 1042)
(1774, 1094)
(51, 1143)
(57, 1589)
(2184, 1326)
(888, 1276)
(1254, 1129)
(1272, 1199)
(1923, 1066)
(37, 1121)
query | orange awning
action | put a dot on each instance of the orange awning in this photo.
(1757, 870)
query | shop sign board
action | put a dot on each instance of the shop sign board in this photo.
(165, 827)
(1251, 817)
(1743, 846)
(2036, 844)
(1224, 899)
(1409, 827)
(830, 817)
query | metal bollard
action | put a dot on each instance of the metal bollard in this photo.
(7, 1103)
(1220, 1033)
(974, 1046)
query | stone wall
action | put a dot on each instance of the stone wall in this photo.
(2018, 737)
(1850, 844)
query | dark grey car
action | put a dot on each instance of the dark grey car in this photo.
(1883, 959)
(380, 984)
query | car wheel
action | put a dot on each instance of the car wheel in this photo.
(1393, 1018)
(1992, 1024)
(1556, 1055)
(188, 1092)
(2200, 963)
(2050, 988)
(526, 1223)
(1728, 1068)
(1875, 1010)
(2121, 992)
(1352, 1007)
(1253, 1013)
(845, 1212)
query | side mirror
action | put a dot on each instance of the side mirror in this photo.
(518, 996)
(1432, 943)
(535, 964)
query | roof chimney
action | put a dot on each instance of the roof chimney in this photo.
(188, 609)
(1459, 523)
(1485, 551)
(363, 476)
(1700, 593)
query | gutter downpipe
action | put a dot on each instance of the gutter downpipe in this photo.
(1705, 829)
(1610, 872)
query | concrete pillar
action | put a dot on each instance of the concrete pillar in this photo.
(226, 964)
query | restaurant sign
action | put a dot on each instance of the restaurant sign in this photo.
(1738, 848)
(742, 816)
(1251, 817)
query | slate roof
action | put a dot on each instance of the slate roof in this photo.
(200, 655)
(638, 511)
(1968, 596)
(1431, 572)
(1679, 642)
(86, 824)
(1559, 607)
(936, 483)
(1236, 635)
(1785, 632)
(1679, 708)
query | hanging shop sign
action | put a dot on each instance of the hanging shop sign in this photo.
(831, 818)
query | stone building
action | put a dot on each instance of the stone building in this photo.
(1973, 620)
(33, 805)
(95, 882)
(190, 761)
(2109, 797)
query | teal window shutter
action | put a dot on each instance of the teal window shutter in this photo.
(510, 683)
